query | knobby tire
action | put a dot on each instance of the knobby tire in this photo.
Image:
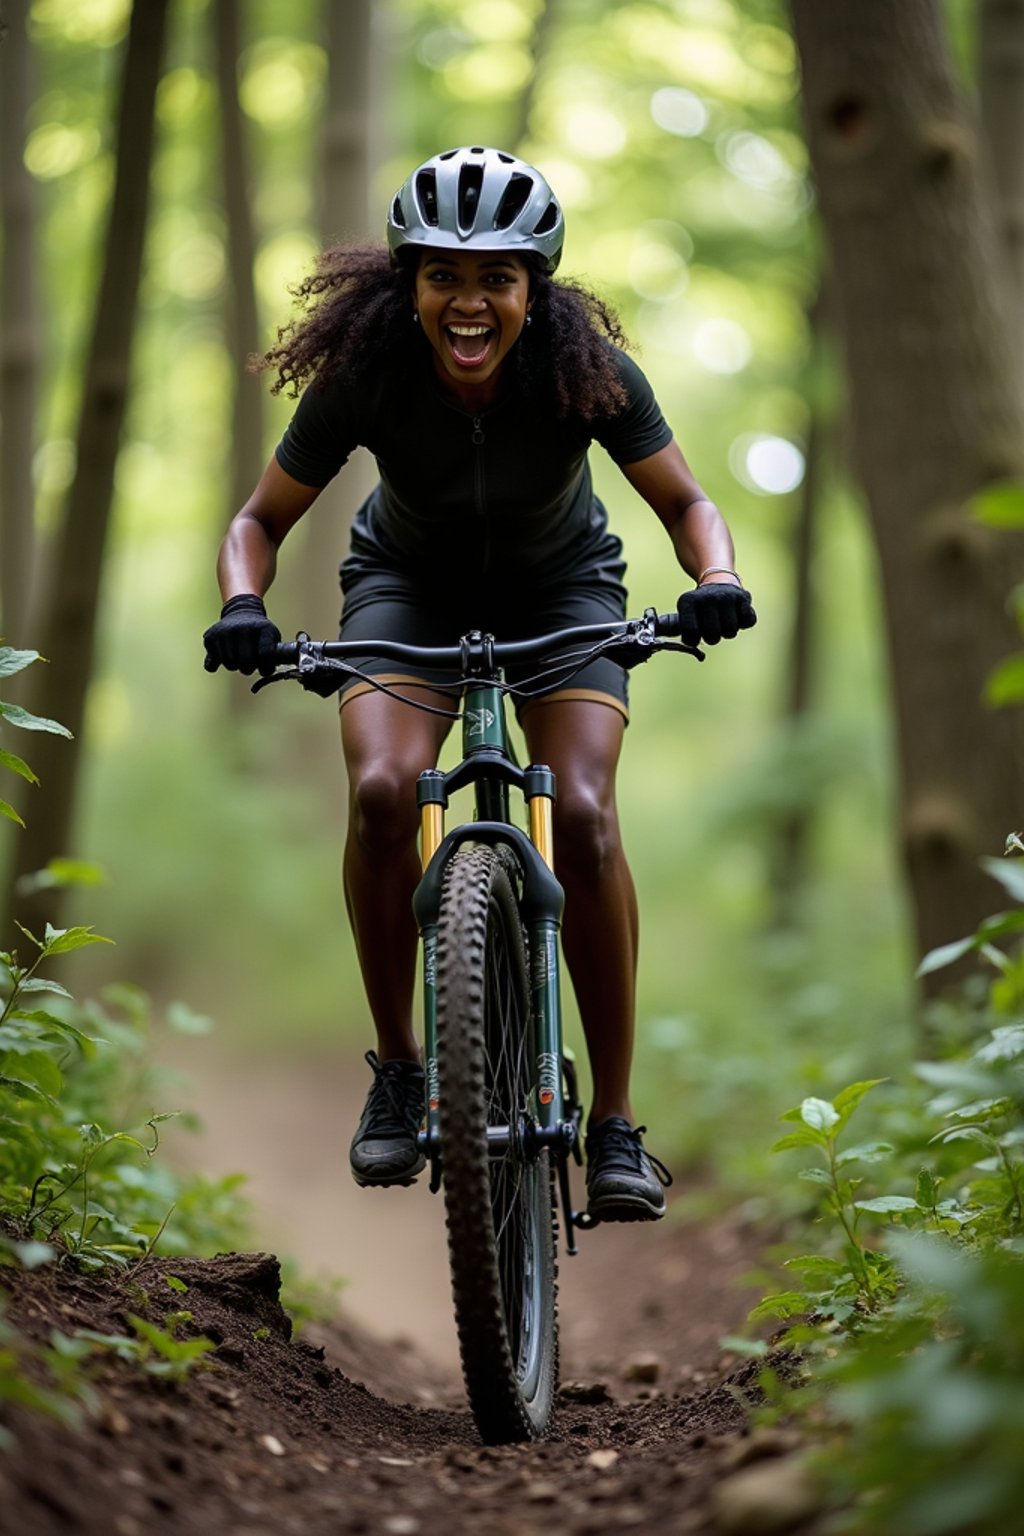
(499, 1207)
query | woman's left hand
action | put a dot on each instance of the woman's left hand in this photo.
(716, 611)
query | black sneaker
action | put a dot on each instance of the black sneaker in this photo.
(384, 1149)
(624, 1183)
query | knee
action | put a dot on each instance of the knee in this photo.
(382, 807)
(586, 831)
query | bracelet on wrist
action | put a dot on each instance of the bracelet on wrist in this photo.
(718, 570)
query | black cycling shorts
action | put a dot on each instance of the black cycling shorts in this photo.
(388, 604)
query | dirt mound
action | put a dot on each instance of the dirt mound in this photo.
(278, 1434)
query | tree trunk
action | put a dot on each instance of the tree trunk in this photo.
(243, 326)
(790, 852)
(1001, 94)
(69, 626)
(937, 414)
(344, 215)
(19, 337)
(542, 34)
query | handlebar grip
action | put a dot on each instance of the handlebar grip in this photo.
(667, 624)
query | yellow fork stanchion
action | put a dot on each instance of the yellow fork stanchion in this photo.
(433, 800)
(539, 788)
(431, 831)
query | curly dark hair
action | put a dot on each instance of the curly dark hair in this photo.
(357, 310)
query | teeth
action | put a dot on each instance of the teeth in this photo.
(469, 330)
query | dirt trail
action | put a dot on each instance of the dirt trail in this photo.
(347, 1430)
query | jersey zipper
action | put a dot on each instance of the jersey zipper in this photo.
(478, 440)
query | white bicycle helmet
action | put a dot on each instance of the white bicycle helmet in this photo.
(477, 199)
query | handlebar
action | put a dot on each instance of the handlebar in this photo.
(477, 649)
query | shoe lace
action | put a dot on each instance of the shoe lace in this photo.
(395, 1102)
(622, 1146)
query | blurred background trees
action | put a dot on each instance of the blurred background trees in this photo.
(771, 807)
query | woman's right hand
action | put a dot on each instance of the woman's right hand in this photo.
(243, 638)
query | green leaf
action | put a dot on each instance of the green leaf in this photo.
(187, 1022)
(61, 941)
(753, 1349)
(816, 1176)
(1000, 505)
(45, 1020)
(783, 1304)
(803, 1138)
(12, 661)
(15, 715)
(11, 814)
(30, 1255)
(946, 954)
(17, 765)
(38, 984)
(817, 1267)
(886, 1205)
(1009, 873)
(865, 1152)
(23, 1090)
(40, 1068)
(1005, 683)
(60, 873)
(175, 1283)
(819, 1114)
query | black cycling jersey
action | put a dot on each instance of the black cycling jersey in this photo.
(502, 493)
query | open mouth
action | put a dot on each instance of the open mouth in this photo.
(470, 344)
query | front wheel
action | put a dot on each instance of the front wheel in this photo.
(498, 1202)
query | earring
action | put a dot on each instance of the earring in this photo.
(415, 317)
(528, 320)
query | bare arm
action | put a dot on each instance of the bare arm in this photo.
(694, 524)
(248, 554)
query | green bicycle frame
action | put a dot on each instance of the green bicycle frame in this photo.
(487, 764)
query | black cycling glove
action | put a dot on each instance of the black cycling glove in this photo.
(243, 637)
(716, 611)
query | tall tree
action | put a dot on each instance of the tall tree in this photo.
(243, 327)
(937, 413)
(347, 155)
(19, 335)
(1001, 96)
(72, 603)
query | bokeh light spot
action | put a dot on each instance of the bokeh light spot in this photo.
(679, 111)
(721, 345)
(768, 465)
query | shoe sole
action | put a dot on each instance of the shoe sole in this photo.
(624, 1208)
(389, 1181)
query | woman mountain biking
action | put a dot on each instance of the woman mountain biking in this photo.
(478, 383)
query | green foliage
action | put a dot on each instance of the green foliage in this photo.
(12, 662)
(157, 1351)
(912, 1315)
(66, 1390)
(64, 1175)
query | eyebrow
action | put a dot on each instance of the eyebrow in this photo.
(448, 261)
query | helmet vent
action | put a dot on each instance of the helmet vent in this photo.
(548, 219)
(426, 196)
(397, 213)
(516, 196)
(471, 180)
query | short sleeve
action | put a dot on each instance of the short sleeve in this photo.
(639, 429)
(320, 436)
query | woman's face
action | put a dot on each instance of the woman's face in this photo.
(472, 307)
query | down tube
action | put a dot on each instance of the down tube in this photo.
(547, 1011)
(429, 939)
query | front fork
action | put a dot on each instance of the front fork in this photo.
(558, 1111)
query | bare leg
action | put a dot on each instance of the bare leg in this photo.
(581, 740)
(386, 746)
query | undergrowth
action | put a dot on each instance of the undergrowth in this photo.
(907, 1310)
(79, 1131)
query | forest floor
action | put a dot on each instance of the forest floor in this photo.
(343, 1430)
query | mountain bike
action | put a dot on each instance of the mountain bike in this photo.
(503, 1113)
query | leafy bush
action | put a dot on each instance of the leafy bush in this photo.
(910, 1317)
